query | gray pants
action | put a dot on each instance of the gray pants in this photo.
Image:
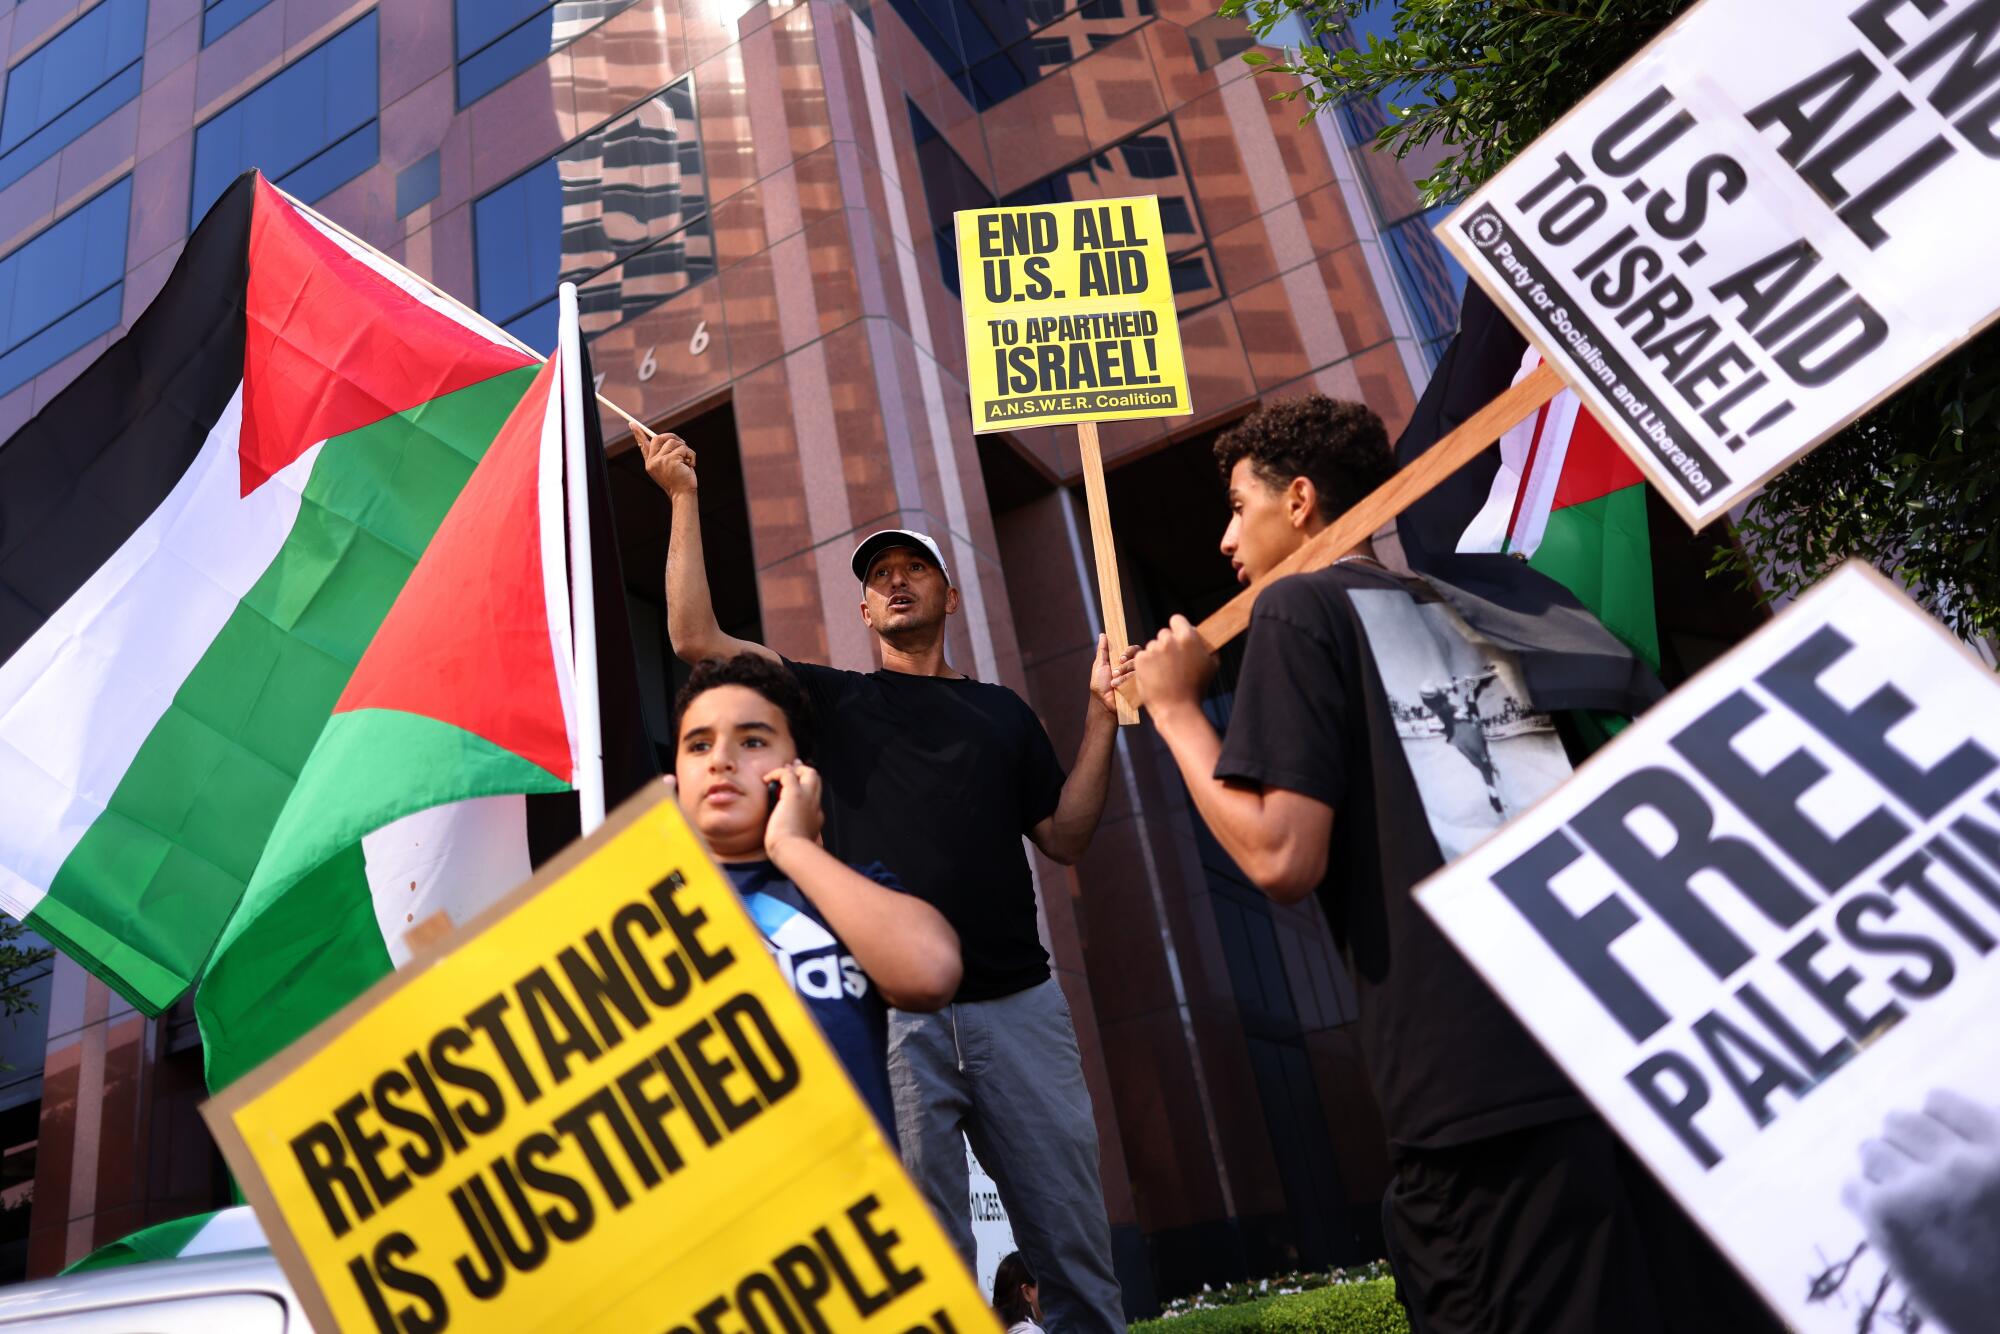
(1006, 1074)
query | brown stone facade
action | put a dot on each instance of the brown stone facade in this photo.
(1234, 1133)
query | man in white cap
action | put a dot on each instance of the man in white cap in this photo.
(939, 777)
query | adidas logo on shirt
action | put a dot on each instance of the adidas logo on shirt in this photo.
(806, 952)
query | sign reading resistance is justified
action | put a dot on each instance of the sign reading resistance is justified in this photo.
(1069, 314)
(604, 1110)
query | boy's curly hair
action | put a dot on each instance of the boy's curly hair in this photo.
(767, 678)
(1342, 447)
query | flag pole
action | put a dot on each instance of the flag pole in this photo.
(582, 585)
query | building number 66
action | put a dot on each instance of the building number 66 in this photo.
(649, 365)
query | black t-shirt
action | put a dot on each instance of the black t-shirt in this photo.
(938, 779)
(1435, 759)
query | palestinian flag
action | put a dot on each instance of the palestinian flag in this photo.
(1569, 660)
(198, 540)
(408, 817)
(1573, 504)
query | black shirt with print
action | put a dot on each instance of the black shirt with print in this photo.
(1448, 1061)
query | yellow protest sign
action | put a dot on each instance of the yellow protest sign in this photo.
(603, 1109)
(1069, 314)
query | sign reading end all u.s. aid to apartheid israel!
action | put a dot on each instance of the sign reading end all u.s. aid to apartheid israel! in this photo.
(1069, 314)
(1761, 921)
(1766, 222)
(603, 1109)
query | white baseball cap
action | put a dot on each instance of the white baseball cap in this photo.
(875, 544)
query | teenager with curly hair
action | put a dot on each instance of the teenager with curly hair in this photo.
(1373, 737)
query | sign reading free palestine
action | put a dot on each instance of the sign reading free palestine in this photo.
(1763, 920)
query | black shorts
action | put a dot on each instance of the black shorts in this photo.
(1555, 1229)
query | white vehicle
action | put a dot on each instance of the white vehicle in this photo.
(223, 1279)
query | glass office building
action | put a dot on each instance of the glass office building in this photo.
(755, 200)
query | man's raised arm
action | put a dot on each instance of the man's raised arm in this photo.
(691, 625)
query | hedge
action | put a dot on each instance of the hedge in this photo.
(1347, 1308)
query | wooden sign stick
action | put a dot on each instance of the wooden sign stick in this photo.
(1351, 529)
(1108, 594)
(1394, 496)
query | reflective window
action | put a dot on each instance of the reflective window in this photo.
(64, 287)
(1148, 163)
(1216, 40)
(418, 184)
(993, 49)
(949, 185)
(70, 83)
(497, 39)
(1149, 157)
(622, 213)
(1193, 278)
(310, 128)
(219, 16)
(1431, 279)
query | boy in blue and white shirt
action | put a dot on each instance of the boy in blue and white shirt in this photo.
(848, 940)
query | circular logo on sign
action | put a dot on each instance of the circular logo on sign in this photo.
(1485, 230)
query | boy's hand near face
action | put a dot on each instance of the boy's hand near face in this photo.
(900, 941)
(797, 814)
(733, 740)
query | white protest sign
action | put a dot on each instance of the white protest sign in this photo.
(992, 1233)
(1760, 921)
(1767, 221)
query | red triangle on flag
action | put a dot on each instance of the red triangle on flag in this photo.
(468, 641)
(1594, 464)
(331, 345)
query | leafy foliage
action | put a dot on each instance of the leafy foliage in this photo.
(1278, 1285)
(1914, 487)
(1344, 1308)
(1482, 78)
(20, 964)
